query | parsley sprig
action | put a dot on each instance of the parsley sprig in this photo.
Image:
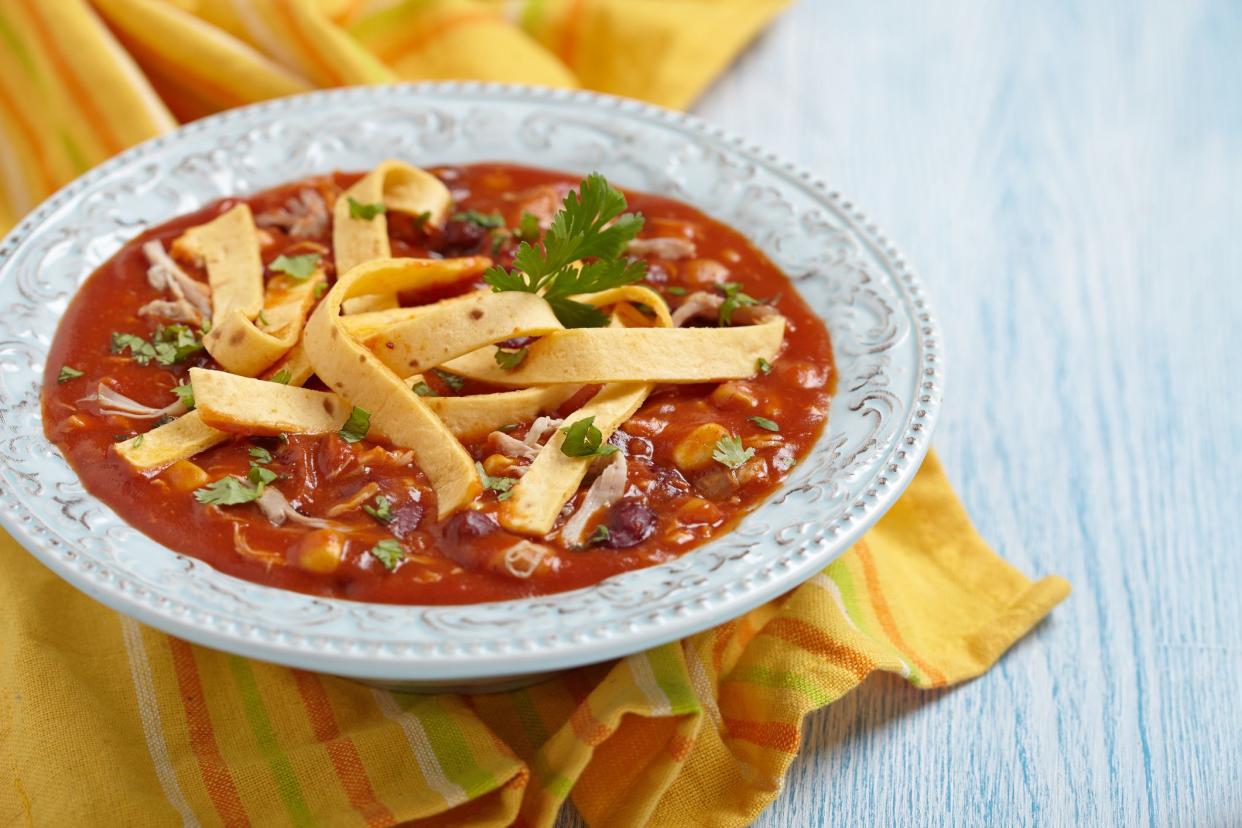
(592, 228)
(169, 344)
(583, 439)
(728, 451)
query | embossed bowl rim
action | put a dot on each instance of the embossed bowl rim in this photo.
(468, 654)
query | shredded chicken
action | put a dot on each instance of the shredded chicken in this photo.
(523, 558)
(263, 556)
(277, 510)
(669, 247)
(191, 297)
(360, 497)
(607, 489)
(707, 305)
(540, 427)
(303, 216)
(511, 446)
(112, 402)
(697, 304)
(174, 310)
(379, 454)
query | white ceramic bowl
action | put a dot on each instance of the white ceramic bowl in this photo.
(883, 334)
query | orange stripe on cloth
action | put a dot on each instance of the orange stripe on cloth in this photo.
(570, 30)
(47, 177)
(589, 730)
(814, 640)
(305, 45)
(199, 84)
(217, 778)
(776, 735)
(419, 38)
(91, 113)
(885, 615)
(341, 750)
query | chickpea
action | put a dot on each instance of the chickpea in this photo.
(184, 476)
(320, 551)
(737, 396)
(694, 451)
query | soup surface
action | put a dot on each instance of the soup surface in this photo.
(696, 456)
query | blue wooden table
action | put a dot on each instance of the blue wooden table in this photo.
(1067, 177)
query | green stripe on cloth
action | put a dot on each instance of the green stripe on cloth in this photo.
(279, 764)
(10, 38)
(782, 680)
(670, 673)
(449, 745)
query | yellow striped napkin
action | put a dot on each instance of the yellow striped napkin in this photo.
(103, 721)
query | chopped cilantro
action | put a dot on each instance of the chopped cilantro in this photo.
(600, 535)
(510, 359)
(357, 426)
(729, 452)
(763, 366)
(260, 454)
(422, 389)
(499, 237)
(260, 476)
(583, 439)
(734, 299)
(141, 351)
(590, 225)
(185, 393)
(321, 289)
(389, 552)
(765, 423)
(138, 440)
(492, 219)
(296, 267)
(281, 377)
(451, 380)
(502, 486)
(528, 229)
(169, 344)
(675, 290)
(359, 210)
(381, 511)
(67, 373)
(422, 218)
(229, 491)
(262, 319)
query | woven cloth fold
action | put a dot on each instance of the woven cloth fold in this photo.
(103, 721)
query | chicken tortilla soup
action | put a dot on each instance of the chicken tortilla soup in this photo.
(452, 385)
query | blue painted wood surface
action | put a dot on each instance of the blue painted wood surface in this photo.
(1067, 177)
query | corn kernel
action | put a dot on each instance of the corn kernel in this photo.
(184, 476)
(497, 464)
(320, 551)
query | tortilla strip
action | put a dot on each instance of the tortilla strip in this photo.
(242, 347)
(399, 186)
(351, 370)
(183, 438)
(479, 414)
(297, 363)
(228, 247)
(670, 355)
(451, 329)
(252, 406)
(553, 477)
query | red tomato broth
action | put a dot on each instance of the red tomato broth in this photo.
(449, 563)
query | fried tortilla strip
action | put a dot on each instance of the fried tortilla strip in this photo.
(181, 439)
(352, 371)
(228, 247)
(454, 328)
(400, 187)
(479, 414)
(243, 347)
(188, 435)
(252, 406)
(672, 355)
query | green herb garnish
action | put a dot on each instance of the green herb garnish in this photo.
(734, 299)
(583, 439)
(229, 491)
(185, 393)
(502, 486)
(381, 511)
(675, 290)
(281, 377)
(260, 476)
(296, 267)
(68, 373)
(590, 225)
(359, 210)
(763, 366)
(262, 320)
(169, 344)
(260, 454)
(422, 389)
(729, 452)
(510, 359)
(357, 426)
(528, 229)
(451, 380)
(388, 552)
(600, 535)
(138, 440)
(765, 423)
(492, 219)
(320, 289)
